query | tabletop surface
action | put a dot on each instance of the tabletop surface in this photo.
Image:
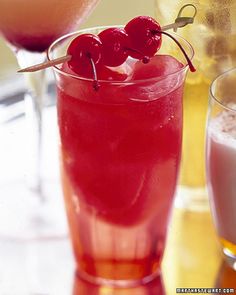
(192, 260)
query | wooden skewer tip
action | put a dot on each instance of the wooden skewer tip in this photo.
(46, 64)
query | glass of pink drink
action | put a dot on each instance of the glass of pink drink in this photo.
(221, 160)
(120, 152)
(30, 27)
(34, 25)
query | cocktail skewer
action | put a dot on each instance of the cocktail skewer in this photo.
(180, 22)
(46, 64)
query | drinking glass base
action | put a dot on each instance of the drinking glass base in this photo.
(230, 258)
(27, 215)
(193, 199)
(129, 283)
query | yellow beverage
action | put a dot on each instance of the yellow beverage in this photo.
(195, 107)
(213, 36)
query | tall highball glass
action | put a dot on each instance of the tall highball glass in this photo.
(221, 160)
(120, 153)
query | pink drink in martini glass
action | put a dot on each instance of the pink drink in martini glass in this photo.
(34, 25)
(30, 27)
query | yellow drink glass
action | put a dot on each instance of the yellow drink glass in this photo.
(213, 36)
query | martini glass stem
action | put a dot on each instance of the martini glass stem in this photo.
(34, 102)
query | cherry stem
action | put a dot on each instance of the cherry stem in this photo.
(145, 58)
(96, 85)
(191, 66)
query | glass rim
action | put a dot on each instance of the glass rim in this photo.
(215, 6)
(212, 87)
(128, 82)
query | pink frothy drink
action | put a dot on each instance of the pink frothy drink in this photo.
(222, 137)
(221, 160)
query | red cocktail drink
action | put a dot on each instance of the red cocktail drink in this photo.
(120, 153)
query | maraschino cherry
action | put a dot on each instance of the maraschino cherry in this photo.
(86, 52)
(146, 37)
(115, 42)
(142, 39)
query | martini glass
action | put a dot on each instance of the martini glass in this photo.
(30, 27)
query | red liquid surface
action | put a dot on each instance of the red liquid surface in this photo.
(119, 168)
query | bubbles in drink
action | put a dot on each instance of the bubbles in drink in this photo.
(223, 127)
